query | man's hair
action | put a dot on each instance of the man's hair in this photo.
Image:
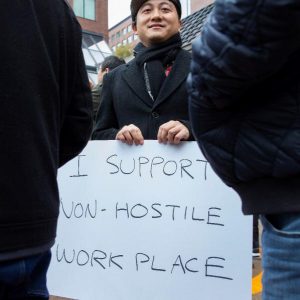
(135, 6)
(111, 62)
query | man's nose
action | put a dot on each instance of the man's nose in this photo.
(156, 14)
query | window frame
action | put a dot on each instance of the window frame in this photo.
(83, 4)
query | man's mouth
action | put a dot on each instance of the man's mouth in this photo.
(156, 26)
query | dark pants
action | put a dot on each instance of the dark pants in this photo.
(25, 279)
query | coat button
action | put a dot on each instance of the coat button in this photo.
(155, 115)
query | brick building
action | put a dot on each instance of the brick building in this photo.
(92, 15)
(93, 18)
(122, 34)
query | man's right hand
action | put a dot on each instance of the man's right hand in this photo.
(130, 134)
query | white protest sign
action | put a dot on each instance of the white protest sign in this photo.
(149, 222)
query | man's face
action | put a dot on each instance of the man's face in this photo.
(156, 22)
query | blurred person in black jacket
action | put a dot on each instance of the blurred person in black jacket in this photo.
(244, 107)
(45, 120)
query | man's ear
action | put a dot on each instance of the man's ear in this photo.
(134, 28)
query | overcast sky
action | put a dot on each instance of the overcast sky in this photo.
(119, 10)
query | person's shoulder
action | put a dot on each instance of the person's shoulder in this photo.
(115, 73)
(183, 57)
(120, 68)
(185, 53)
(68, 12)
(67, 6)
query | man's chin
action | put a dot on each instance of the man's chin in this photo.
(157, 39)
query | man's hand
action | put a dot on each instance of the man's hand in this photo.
(130, 134)
(172, 132)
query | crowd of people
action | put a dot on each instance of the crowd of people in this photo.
(237, 95)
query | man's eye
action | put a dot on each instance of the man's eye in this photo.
(147, 10)
(166, 9)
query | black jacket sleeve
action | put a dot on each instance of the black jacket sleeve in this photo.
(242, 44)
(77, 124)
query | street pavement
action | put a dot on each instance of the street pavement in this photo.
(256, 279)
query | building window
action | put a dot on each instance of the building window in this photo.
(118, 34)
(85, 9)
(129, 28)
(124, 31)
(130, 39)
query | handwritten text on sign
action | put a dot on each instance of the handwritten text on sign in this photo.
(149, 222)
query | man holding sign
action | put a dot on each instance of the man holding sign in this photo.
(147, 98)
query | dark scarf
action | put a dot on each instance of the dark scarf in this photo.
(154, 60)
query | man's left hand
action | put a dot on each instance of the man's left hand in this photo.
(172, 132)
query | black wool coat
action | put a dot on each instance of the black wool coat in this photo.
(125, 101)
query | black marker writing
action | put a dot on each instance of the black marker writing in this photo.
(209, 265)
(143, 166)
(79, 210)
(84, 258)
(78, 168)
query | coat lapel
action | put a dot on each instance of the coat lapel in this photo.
(134, 78)
(177, 75)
